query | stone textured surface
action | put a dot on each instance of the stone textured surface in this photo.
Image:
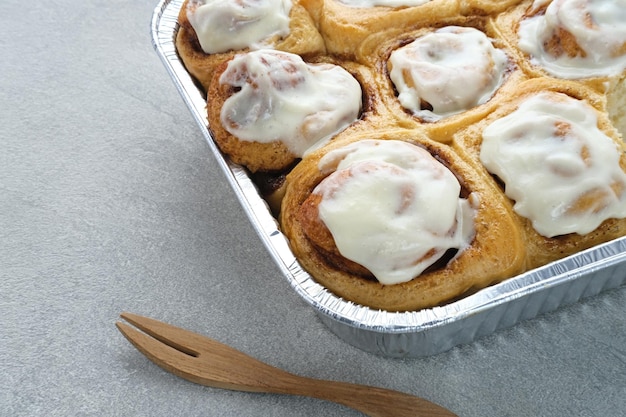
(110, 201)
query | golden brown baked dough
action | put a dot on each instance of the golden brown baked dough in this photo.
(616, 104)
(495, 253)
(485, 7)
(344, 27)
(303, 39)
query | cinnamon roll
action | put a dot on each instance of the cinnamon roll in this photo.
(576, 38)
(440, 79)
(580, 40)
(212, 31)
(446, 72)
(398, 225)
(561, 164)
(570, 39)
(268, 108)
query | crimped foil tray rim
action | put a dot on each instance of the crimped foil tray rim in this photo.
(563, 272)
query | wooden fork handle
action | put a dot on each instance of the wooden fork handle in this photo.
(232, 369)
(372, 401)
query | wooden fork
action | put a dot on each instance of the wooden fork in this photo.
(211, 363)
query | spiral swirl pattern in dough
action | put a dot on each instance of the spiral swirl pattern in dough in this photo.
(267, 100)
(446, 72)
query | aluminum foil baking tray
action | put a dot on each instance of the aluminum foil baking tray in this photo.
(408, 334)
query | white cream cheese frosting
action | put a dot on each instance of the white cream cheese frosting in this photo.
(282, 98)
(383, 3)
(561, 170)
(598, 28)
(393, 208)
(452, 69)
(223, 25)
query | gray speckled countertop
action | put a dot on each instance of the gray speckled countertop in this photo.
(110, 201)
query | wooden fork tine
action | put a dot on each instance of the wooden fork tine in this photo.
(180, 352)
(167, 357)
(180, 339)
